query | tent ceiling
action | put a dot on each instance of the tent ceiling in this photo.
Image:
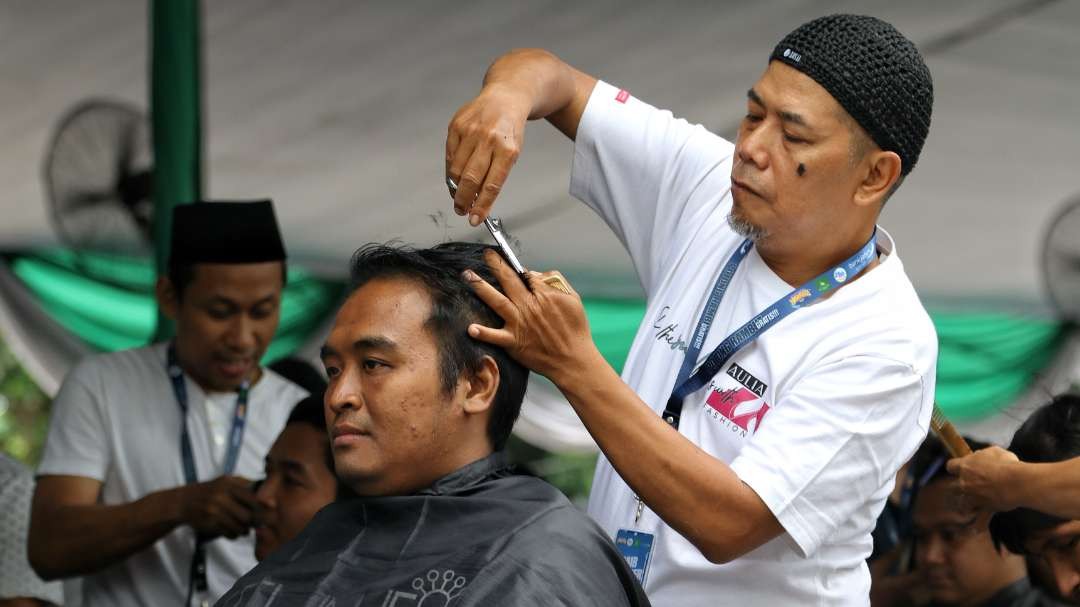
(338, 110)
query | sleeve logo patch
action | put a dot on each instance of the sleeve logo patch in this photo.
(622, 96)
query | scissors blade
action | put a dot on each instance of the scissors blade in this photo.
(494, 225)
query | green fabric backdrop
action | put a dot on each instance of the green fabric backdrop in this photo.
(985, 360)
(108, 301)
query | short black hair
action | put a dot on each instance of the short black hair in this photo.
(928, 463)
(454, 307)
(310, 411)
(1050, 434)
(300, 372)
(181, 274)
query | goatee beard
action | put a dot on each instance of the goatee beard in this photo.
(744, 228)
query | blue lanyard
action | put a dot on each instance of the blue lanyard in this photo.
(808, 293)
(197, 575)
(236, 434)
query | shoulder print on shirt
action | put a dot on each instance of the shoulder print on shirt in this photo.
(668, 332)
(736, 399)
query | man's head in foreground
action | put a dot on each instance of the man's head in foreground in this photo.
(223, 289)
(411, 396)
(1051, 434)
(834, 124)
(299, 478)
(953, 548)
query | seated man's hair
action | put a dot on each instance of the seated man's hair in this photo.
(300, 372)
(454, 307)
(928, 463)
(1051, 434)
(310, 411)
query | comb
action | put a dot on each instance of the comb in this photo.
(943, 428)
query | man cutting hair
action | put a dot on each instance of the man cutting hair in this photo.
(749, 448)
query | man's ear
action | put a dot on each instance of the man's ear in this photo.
(167, 298)
(882, 172)
(481, 386)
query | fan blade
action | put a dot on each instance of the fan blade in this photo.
(83, 200)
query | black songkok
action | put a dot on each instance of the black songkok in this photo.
(873, 71)
(225, 232)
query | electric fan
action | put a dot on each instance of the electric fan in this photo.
(97, 177)
(1061, 262)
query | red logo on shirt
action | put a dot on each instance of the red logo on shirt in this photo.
(729, 404)
(622, 96)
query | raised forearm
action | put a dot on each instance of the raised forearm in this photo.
(549, 87)
(1052, 488)
(681, 483)
(67, 540)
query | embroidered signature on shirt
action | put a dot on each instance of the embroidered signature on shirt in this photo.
(666, 333)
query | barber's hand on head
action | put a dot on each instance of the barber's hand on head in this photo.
(546, 329)
(222, 507)
(482, 143)
(981, 477)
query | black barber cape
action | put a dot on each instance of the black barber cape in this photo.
(481, 535)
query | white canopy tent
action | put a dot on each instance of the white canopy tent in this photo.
(338, 111)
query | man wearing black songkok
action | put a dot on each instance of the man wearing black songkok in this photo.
(144, 488)
(785, 367)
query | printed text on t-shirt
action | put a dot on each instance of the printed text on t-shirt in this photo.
(667, 332)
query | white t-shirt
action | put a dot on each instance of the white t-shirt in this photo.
(816, 415)
(116, 420)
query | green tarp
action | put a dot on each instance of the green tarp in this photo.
(986, 360)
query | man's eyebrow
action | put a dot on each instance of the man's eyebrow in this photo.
(373, 342)
(791, 117)
(221, 299)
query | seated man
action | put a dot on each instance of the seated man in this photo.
(299, 479)
(956, 561)
(1049, 436)
(419, 414)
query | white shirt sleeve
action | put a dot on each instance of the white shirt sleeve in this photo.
(77, 443)
(638, 167)
(833, 442)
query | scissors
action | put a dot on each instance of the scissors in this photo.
(494, 225)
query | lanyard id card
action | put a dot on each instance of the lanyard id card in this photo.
(636, 548)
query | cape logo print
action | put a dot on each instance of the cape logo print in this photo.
(432, 590)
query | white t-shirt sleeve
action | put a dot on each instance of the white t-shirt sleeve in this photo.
(638, 168)
(77, 443)
(834, 441)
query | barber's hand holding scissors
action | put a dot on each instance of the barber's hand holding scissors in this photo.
(482, 144)
(545, 328)
(982, 477)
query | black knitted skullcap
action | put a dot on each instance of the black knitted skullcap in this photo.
(873, 71)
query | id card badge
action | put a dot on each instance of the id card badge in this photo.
(636, 547)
